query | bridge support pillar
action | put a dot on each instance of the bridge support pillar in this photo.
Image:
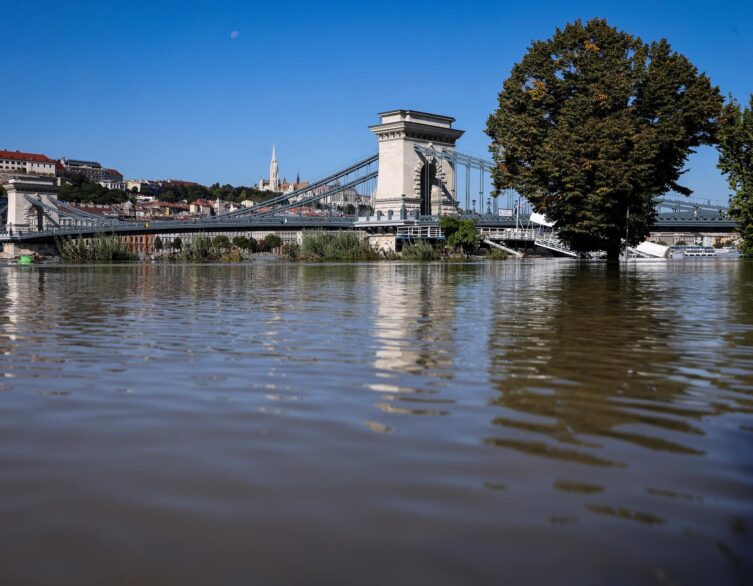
(411, 179)
(12, 250)
(22, 215)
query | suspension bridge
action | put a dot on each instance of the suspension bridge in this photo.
(416, 177)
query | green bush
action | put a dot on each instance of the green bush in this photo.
(232, 256)
(292, 250)
(199, 249)
(460, 234)
(335, 246)
(221, 242)
(420, 251)
(245, 243)
(497, 254)
(270, 242)
(101, 248)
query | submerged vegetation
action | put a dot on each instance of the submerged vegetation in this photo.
(200, 249)
(101, 248)
(419, 251)
(460, 234)
(332, 246)
(350, 247)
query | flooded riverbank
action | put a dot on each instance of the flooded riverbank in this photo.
(377, 423)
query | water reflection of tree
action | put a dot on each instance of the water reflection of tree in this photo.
(736, 377)
(589, 355)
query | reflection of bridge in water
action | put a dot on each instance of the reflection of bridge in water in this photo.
(416, 177)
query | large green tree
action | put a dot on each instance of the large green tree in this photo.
(594, 125)
(736, 161)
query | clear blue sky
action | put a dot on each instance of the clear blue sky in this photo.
(167, 89)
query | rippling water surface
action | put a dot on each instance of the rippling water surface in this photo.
(273, 423)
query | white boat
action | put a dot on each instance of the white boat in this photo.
(697, 251)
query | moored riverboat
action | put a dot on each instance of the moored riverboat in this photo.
(697, 251)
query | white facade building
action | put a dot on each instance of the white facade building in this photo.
(14, 163)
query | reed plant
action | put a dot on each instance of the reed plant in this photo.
(335, 246)
(200, 249)
(100, 248)
(419, 251)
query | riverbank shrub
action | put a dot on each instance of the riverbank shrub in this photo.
(221, 242)
(269, 243)
(232, 255)
(460, 234)
(497, 254)
(419, 251)
(199, 249)
(335, 246)
(100, 248)
(246, 243)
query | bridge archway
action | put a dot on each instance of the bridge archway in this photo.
(428, 180)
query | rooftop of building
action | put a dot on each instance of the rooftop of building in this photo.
(80, 163)
(19, 156)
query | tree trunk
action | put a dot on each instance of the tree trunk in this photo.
(613, 251)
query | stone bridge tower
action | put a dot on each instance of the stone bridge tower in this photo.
(408, 178)
(23, 216)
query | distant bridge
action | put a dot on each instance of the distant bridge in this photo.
(410, 187)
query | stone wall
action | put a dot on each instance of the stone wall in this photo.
(384, 243)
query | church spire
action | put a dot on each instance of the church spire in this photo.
(273, 169)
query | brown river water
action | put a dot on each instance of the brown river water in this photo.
(271, 423)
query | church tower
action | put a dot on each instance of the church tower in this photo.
(274, 182)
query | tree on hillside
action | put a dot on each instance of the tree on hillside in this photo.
(79, 189)
(594, 125)
(174, 192)
(736, 161)
(237, 194)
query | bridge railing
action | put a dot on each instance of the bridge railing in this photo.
(492, 233)
(420, 232)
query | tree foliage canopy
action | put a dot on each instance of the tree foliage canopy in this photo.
(736, 161)
(80, 189)
(593, 121)
(460, 233)
(174, 192)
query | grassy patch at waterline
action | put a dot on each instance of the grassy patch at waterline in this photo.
(200, 249)
(420, 251)
(100, 248)
(333, 246)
